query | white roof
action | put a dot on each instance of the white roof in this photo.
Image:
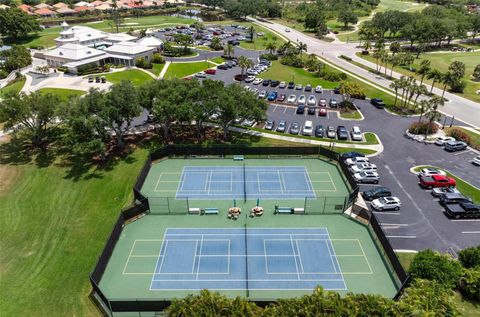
(120, 37)
(150, 41)
(82, 33)
(129, 48)
(83, 4)
(74, 52)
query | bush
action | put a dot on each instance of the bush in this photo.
(158, 59)
(143, 63)
(294, 61)
(270, 57)
(422, 127)
(470, 257)
(348, 58)
(62, 69)
(458, 86)
(459, 135)
(431, 265)
(332, 76)
(470, 284)
(3, 74)
(36, 47)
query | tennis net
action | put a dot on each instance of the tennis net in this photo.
(244, 184)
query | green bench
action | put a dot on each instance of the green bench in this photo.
(238, 157)
(283, 210)
(210, 211)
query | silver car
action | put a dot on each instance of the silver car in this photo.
(282, 126)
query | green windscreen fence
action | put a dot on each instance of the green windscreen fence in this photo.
(168, 205)
(325, 205)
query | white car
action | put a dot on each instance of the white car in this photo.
(249, 79)
(356, 160)
(252, 72)
(366, 177)
(287, 30)
(444, 190)
(430, 171)
(441, 140)
(356, 134)
(248, 123)
(364, 167)
(247, 88)
(257, 81)
(312, 101)
(299, 87)
(301, 100)
(262, 94)
(292, 99)
(476, 161)
(282, 84)
(201, 75)
(319, 89)
(386, 203)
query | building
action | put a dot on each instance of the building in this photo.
(60, 5)
(72, 52)
(45, 13)
(127, 53)
(66, 11)
(151, 41)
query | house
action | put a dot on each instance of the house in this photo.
(96, 3)
(42, 6)
(60, 5)
(88, 36)
(71, 52)
(151, 41)
(26, 8)
(83, 8)
(45, 13)
(127, 53)
(103, 7)
(66, 11)
(82, 4)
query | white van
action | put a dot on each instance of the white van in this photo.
(308, 128)
(356, 134)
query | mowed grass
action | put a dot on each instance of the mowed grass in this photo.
(64, 94)
(136, 76)
(156, 69)
(442, 61)
(298, 75)
(180, 70)
(12, 88)
(53, 228)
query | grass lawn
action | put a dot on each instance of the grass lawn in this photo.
(465, 188)
(156, 69)
(405, 259)
(180, 70)
(299, 75)
(14, 87)
(218, 60)
(441, 61)
(134, 75)
(354, 115)
(64, 94)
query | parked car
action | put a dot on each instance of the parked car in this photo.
(211, 71)
(333, 103)
(322, 103)
(307, 128)
(322, 112)
(356, 160)
(266, 82)
(308, 87)
(257, 81)
(311, 110)
(476, 161)
(299, 87)
(386, 203)
(201, 75)
(250, 71)
(90, 79)
(378, 103)
(351, 155)
(356, 134)
(262, 94)
(453, 198)
(319, 89)
(248, 123)
(301, 100)
(441, 140)
(376, 192)
(312, 101)
(249, 79)
(269, 125)
(272, 96)
(364, 167)
(292, 99)
(331, 132)
(295, 128)
(300, 109)
(432, 181)
(436, 192)
(281, 98)
(291, 85)
(282, 125)
(463, 210)
(103, 79)
(430, 171)
(454, 146)
(366, 177)
(274, 83)
(319, 132)
(222, 66)
(342, 133)
(282, 84)
(336, 90)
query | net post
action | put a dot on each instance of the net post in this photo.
(305, 205)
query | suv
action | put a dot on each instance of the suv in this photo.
(376, 192)
(333, 103)
(300, 109)
(463, 210)
(319, 132)
(366, 177)
(453, 198)
(386, 203)
(453, 146)
(351, 155)
(342, 133)
(356, 134)
(437, 192)
(291, 85)
(378, 103)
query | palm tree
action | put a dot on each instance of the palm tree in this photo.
(419, 91)
(424, 69)
(435, 75)
(395, 85)
(433, 114)
(367, 45)
(377, 54)
(244, 63)
(229, 51)
(271, 47)
(423, 105)
(447, 79)
(395, 47)
(395, 61)
(302, 47)
(251, 32)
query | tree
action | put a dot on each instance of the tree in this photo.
(216, 43)
(350, 90)
(476, 73)
(35, 113)
(115, 17)
(251, 32)
(395, 47)
(229, 50)
(447, 79)
(457, 69)
(184, 40)
(16, 58)
(346, 17)
(394, 61)
(244, 63)
(435, 75)
(16, 24)
(475, 25)
(470, 257)
(271, 47)
(205, 103)
(424, 69)
(301, 47)
(395, 85)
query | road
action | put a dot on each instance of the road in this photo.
(463, 109)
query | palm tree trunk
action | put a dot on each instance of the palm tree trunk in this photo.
(396, 98)
(444, 88)
(433, 84)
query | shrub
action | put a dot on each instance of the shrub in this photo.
(62, 69)
(470, 284)
(422, 127)
(294, 61)
(158, 59)
(332, 76)
(470, 257)
(458, 86)
(348, 58)
(459, 135)
(3, 74)
(270, 57)
(431, 265)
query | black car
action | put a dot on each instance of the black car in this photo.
(222, 66)
(266, 82)
(229, 64)
(336, 90)
(274, 83)
(342, 133)
(378, 103)
(233, 42)
(291, 85)
(319, 131)
(308, 87)
(353, 154)
(463, 210)
(453, 198)
(311, 110)
(300, 109)
(376, 192)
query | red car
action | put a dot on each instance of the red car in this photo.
(281, 98)
(211, 71)
(322, 112)
(432, 181)
(188, 78)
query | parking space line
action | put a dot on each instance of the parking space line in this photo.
(395, 224)
(402, 237)
(468, 220)
(285, 110)
(470, 232)
(274, 108)
(463, 152)
(386, 213)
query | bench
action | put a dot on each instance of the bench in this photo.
(298, 210)
(210, 211)
(283, 210)
(194, 211)
(238, 157)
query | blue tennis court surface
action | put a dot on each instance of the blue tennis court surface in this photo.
(228, 182)
(253, 259)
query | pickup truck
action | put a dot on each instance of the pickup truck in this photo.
(463, 210)
(432, 181)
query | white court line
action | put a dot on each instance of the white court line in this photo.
(365, 256)
(158, 180)
(199, 257)
(294, 258)
(470, 232)
(402, 237)
(194, 257)
(282, 182)
(207, 182)
(163, 257)
(180, 183)
(299, 256)
(331, 257)
(386, 213)
(265, 254)
(129, 255)
(336, 260)
(395, 224)
(468, 220)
